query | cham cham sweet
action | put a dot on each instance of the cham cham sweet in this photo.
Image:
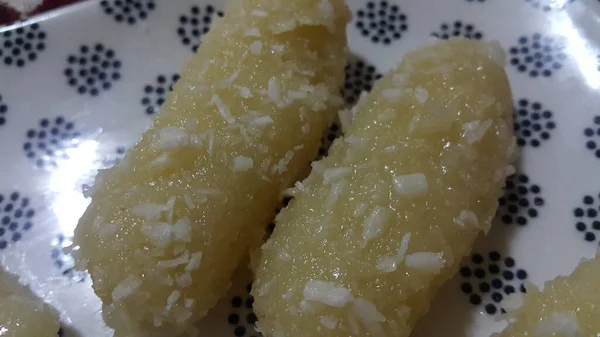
(169, 223)
(568, 306)
(22, 314)
(382, 222)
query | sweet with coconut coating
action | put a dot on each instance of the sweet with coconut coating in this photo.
(22, 314)
(382, 222)
(569, 306)
(169, 223)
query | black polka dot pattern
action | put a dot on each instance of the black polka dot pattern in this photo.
(241, 316)
(458, 28)
(521, 200)
(487, 279)
(533, 124)
(381, 22)
(16, 218)
(93, 69)
(46, 144)
(155, 94)
(538, 55)
(3, 111)
(130, 11)
(333, 132)
(549, 5)
(592, 134)
(587, 220)
(63, 262)
(22, 45)
(195, 24)
(360, 76)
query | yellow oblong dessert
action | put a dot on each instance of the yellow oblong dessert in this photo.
(170, 222)
(382, 222)
(22, 314)
(568, 306)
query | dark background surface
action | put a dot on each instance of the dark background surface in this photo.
(8, 16)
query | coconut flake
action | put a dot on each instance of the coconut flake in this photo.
(425, 261)
(161, 160)
(466, 218)
(242, 164)
(189, 201)
(410, 184)
(256, 47)
(262, 121)
(181, 259)
(336, 189)
(228, 82)
(369, 316)
(148, 211)
(159, 233)
(421, 94)
(264, 289)
(195, 262)
(328, 322)
(387, 263)
(332, 174)
(223, 109)
(172, 299)
(326, 292)
(475, 130)
(252, 32)
(243, 91)
(182, 229)
(126, 288)
(171, 137)
(293, 94)
(564, 323)
(273, 90)
(375, 223)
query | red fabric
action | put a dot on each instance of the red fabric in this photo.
(8, 16)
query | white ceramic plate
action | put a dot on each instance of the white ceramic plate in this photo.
(78, 86)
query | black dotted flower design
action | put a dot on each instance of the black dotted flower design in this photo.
(381, 22)
(195, 24)
(533, 124)
(488, 279)
(457, 28)
(360, 76)
(549, 5)
(241, 317)
(93, 69)
(520, 202)
(22, 45)
(155, 94)
(16, 214)
(129, 11)
(593, 135)
(46, 144)
(333, 132)
(63, 262)
(538, 55)
(3, 111)
(587, 221)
